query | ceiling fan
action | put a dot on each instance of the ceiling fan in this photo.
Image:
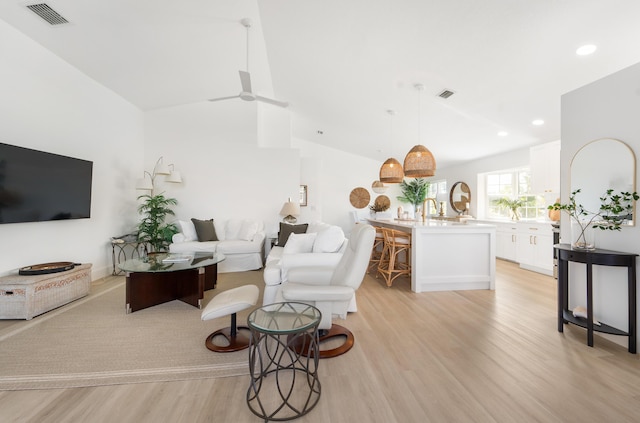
(245, 79)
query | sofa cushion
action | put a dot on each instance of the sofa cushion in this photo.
(318, 227)
(329, 240)
(238, 246)
(188, 229)
(248, 229)
(194, 247)
(205, 230)
(299, 243)
(286, 229)
(232, 228)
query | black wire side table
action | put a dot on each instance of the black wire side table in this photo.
(276, 366)
(119, 247)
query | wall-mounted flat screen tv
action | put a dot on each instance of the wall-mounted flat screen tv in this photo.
(37, 186)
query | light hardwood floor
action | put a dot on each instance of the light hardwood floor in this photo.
(465, 356)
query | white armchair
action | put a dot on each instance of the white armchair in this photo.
(332, 289)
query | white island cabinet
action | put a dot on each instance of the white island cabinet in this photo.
(447, 256)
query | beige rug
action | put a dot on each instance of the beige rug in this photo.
(92, 342)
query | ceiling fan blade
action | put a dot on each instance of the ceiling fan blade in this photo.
(245, 79)
(274, 102)
(224, 98)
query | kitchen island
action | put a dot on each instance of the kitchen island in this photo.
(448, 256)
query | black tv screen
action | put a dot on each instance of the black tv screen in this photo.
(38, 186)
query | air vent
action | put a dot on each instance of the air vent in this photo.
(47, 13)
(445, 94)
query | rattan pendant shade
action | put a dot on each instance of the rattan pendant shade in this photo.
(419, 163)
(391, 172)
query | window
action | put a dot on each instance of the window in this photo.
(515, 183)
(437, 190)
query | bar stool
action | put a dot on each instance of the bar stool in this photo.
(376, 250)
(396, 255)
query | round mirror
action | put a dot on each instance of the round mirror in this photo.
(460, 197)
(600, 165)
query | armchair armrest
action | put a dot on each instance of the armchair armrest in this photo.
(258, 238)
(301, 292)
(311, 275)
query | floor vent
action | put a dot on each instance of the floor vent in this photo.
(446, 94)
(47, 13)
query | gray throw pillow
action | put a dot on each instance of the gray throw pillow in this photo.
(205, 230)
(286, 229)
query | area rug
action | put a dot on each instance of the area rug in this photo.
(93, 342)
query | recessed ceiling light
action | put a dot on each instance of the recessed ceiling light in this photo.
(586, 49)
(538, 122)
(503, 133)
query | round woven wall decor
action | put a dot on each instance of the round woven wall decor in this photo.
(359, 198)
(383, 202)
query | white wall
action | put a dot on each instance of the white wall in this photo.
(608, 108)
(330, 175)
(225, 173)
(48, 105)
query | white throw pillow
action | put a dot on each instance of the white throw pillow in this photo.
(248, 229)
(188, 230)
(232, 229)
(299, 243)
(329, 240)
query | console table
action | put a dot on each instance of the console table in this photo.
(602, 258)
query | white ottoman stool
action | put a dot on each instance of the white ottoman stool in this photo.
(223, 304)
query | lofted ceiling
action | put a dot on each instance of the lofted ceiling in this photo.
(342, 64)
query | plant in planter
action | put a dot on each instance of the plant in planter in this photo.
(512, 204)
(379, 207)
(152, 228)
(615, 210)
(414, 192)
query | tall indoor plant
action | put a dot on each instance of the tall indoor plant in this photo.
(152, 228)
(615, 209)
(414, 192)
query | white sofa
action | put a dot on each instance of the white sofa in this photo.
(321, 246)
(241, 241)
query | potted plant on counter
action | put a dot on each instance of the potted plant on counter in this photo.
(512, 204)
(615, 210)
(152, 228)
(414, 192)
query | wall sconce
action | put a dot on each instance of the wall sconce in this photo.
(148, 184)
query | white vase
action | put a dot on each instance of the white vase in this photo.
(582, 235)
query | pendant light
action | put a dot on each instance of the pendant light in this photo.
(391, 170)
(419, 162)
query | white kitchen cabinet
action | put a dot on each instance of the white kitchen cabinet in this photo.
(544, 162)
(534, 247)
(506, 236)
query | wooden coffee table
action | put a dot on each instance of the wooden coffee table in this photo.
(152, 281)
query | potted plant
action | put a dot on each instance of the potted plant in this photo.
(615, 209)
(152, 228)
(414, 192)
(378, 207)
(512, 204)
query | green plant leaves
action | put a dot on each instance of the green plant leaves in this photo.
(414, 191)
(152, 228)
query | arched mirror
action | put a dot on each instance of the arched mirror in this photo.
(460, 197)
(600, 165)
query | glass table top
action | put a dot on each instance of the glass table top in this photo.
(165, 262)
(283, 318)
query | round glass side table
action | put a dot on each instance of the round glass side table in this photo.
(284, 379)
